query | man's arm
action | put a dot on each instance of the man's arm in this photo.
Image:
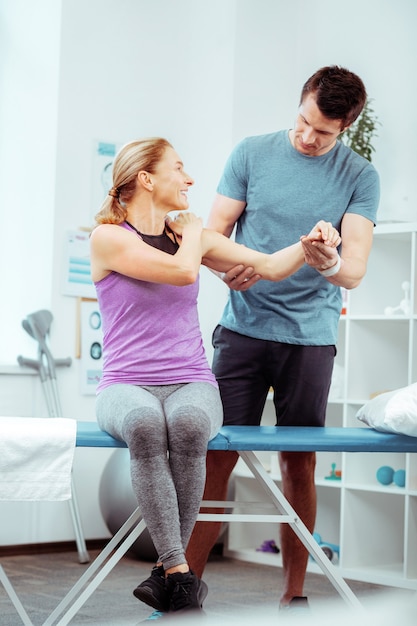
(357, 235)
(223, 216)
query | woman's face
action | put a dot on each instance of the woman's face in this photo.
(171, 183)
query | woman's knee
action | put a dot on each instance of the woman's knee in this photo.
(144, 432)
(189, 430)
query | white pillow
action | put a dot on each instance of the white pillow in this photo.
(392, 412)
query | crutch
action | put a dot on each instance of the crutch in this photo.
(37, 325)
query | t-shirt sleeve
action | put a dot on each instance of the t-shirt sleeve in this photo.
(365, 198)
(233, 183)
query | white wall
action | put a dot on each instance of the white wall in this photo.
(29, 74)
(125, 71)
(202, 74)
(132, 74)
(279, 44)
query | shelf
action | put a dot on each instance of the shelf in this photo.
(250, 555)
(361, 469)
(392, 229)
(411, 538)
(373, 528)
(16, 370)
(383, 343)
(324, 466)
(266, 558)
(375, 525)
(389, 574)
(389, 266)
(375, 488)
(331, 484)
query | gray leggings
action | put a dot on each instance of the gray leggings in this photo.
(166, 429)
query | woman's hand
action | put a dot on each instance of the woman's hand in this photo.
(325, 233)
(185, 222)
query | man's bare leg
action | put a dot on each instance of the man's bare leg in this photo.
(219, 467)
(297, 471)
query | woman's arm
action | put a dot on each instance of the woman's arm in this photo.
(116, 249)
(221, 254)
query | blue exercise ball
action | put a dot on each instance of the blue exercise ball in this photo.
(117, 502)
(399, 478)
(385, 475)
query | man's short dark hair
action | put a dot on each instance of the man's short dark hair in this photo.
(339, 93)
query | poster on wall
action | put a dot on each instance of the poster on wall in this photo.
(77, 280)
(104, 153)
(91, 342)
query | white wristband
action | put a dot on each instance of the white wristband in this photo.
(331, 271)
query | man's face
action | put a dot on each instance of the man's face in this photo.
(314, 134)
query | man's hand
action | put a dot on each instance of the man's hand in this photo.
(240, 278)
(319, 255)
(319, 246)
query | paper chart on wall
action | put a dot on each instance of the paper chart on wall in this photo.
(104, 153)
(77, 268)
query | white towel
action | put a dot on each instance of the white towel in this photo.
(36, 457)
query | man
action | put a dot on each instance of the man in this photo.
(283, 335)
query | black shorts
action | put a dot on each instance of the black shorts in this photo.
(246, 369)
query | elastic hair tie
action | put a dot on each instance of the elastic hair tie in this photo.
(114, 192)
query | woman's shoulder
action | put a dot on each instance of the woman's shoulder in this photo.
(107, 233)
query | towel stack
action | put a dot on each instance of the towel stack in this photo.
(36, 458)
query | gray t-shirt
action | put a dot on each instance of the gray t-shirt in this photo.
(286, 194)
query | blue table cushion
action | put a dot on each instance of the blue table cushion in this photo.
(285, 438)
(89, 435)
(309, 439)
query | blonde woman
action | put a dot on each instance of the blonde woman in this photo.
(157, 392)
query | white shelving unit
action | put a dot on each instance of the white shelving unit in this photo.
(375, 526)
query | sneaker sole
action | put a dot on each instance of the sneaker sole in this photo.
(144, 594)
(202, 592)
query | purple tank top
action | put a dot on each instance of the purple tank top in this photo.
(151, 333)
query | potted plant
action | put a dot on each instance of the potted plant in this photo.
(359, 135)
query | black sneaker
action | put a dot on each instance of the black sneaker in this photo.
(153, 591)
(297, 606)
(187, 592)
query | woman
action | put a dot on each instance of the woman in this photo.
(157, 392)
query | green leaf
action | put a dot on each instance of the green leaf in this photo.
(359, 136)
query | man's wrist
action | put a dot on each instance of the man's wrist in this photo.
(331, 271)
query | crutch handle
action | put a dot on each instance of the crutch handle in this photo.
(63, 362)
(28, 362)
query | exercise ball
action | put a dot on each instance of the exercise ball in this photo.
(117, 502)
(385, 475)
(399, 478)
